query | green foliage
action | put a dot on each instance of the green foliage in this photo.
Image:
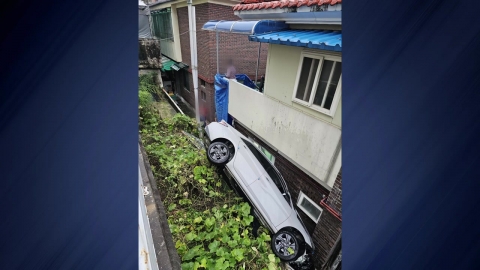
(147, 83)
(209, 223)
(147, 88)
(144, 98)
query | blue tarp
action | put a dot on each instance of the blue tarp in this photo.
(221, 97)
(246, 80)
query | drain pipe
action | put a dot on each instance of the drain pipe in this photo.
(216, 37)
(258, 62)
(193, 53)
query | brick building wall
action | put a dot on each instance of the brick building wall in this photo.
(297, 181)
(334, 199)
(329, 227)
(326, 233)
(235, 46)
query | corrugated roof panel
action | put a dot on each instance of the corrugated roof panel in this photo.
(316, 39)
(167, 63)
(244, 27)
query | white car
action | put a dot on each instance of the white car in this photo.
(256, 178)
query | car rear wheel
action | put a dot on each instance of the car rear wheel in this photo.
(288, 245)
(218, 153)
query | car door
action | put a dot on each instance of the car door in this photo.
(270, 200)
(246, 165)
(266, 193)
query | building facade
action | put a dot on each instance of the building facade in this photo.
(296, 121)
(171, 18)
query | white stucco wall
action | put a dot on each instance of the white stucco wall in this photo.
(306, 140)
(282, 68)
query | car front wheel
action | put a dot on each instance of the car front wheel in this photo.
(288, 245)
(218, 153)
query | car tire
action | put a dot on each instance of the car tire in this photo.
(286, 241)
(218, 153)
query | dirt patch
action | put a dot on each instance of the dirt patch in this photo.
(164, 108)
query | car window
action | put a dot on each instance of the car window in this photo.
(267, 166)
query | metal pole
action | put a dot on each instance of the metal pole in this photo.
(193, 53)
(258, 62)
(216, 35)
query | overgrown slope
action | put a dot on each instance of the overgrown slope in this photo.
(209, 223)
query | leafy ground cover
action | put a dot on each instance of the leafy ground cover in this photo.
(210, 224)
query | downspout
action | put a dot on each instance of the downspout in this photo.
(216, 37)
(216, 40)
(193, 53)
(258, 62)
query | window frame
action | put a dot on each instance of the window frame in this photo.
(162, 23)
(186, 81)
(301, 196)
(262, 149)
(202, 95)
(202, 83)
(338, 91)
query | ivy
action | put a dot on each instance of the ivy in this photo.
(209, 223)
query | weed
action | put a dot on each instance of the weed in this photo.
(209, 223)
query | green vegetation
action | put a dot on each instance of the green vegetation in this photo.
(144, 98)
(209, 223)
(146, 83)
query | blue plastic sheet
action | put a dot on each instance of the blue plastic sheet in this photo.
(221, 97)
(222, 94)
(246, 80)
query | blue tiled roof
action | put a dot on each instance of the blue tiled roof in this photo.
(316, 39)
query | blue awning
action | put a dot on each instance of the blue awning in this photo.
(245, 27)
(316, 39)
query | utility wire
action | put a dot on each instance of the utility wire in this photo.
(179, 35)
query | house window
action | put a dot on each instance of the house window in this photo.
(186, 84)
(309, 207)
(162, 24)
(319, 82)
(202, 83)
(204, 96)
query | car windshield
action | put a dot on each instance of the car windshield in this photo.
(272, 173)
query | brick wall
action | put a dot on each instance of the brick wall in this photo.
(297, 181)
(330, 226)
(326, 233)
(235, 46)
(207, 105)
(334, 199)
